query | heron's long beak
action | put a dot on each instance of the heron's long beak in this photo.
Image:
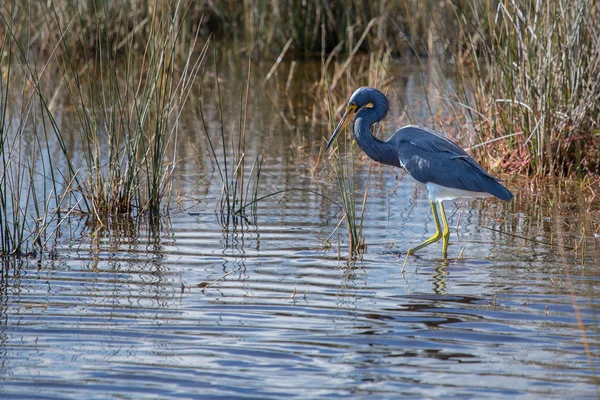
(345, 119)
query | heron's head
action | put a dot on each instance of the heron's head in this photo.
(364, 97)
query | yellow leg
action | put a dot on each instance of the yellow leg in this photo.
(438, 234)
(446, 232)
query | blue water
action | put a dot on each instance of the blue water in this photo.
(127, 317)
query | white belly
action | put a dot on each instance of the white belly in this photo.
(438, 193)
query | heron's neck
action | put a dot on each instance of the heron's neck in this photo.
(378, 150)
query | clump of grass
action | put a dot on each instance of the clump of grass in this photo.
(347, 180)
(239, 187)
(128, 103)
(127, 98)
(30, 210)
(537, 85)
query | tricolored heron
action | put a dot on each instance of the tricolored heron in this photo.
(441, 165)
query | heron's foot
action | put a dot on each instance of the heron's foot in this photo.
(405, 253)
(439, 232)
(433, 239)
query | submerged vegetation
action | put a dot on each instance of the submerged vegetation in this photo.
(525, 89)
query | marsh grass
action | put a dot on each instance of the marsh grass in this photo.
(347, 181)
(30, 211)
(318, 28)
(128, 105)
(239, 178)
(260, 26)
(536, 87)
(347, 175)
(127, 99)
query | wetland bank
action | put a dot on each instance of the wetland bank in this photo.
(172, 228)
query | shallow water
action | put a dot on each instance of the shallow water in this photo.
(272, 308)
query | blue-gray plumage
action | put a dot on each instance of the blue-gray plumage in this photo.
(440, 164)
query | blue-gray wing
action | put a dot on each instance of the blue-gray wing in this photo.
(429, 157)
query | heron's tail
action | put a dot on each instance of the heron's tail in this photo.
(496, 189)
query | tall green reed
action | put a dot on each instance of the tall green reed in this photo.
(347, 178)
(128, 102)
(30, 210)
(239, 178)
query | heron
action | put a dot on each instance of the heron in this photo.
(441, 165)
